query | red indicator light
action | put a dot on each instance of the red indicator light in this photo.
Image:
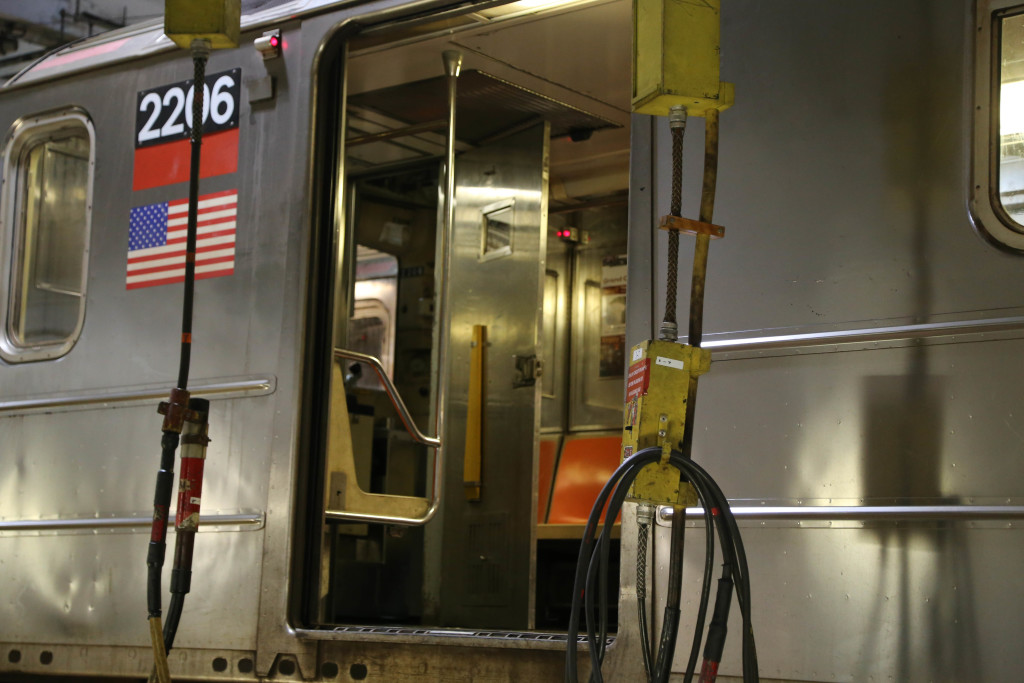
(275, 41)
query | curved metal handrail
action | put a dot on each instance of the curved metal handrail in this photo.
(452, 64)
(393, 395)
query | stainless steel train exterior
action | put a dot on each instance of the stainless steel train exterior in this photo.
(863, 410)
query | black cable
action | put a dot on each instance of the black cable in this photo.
(177, 410)
(597, 566)
(705, 592)
(614, 506)
(718, 517)
(200, 54)
(635, 462)
(199, 57)
(670, 620)
(740, 570)
(174, 610)
(604, 550)
(158, 537)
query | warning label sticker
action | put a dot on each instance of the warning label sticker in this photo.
(639, 379)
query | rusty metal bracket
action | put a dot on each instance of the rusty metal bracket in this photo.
(176, 411)
(691, 227)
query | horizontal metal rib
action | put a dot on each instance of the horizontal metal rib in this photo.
(863, 513)
(255, 520)
(867, 335)
(258, 386)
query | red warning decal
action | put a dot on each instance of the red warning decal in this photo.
(639, 379)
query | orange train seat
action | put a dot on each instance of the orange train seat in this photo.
(585, 467)
(546, 474)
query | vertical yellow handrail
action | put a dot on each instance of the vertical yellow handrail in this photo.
(472, 478)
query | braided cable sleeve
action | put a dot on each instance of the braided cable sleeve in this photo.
(641, 596)
(672, 281)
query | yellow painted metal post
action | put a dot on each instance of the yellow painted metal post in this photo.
(472, 478)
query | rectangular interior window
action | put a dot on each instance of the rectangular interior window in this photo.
(47, 213)
(497, 230)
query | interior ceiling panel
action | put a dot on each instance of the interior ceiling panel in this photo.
(587, 49)
(487, 107)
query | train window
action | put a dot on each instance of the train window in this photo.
(47, 203)
(1011, 118)
(997, 187)
(371, 329)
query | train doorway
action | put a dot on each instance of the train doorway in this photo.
(523, 327)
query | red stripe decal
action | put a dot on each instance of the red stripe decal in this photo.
(168, 163)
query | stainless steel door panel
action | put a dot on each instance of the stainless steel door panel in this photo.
(493, 537)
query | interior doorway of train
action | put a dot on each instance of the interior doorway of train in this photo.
(538, 293)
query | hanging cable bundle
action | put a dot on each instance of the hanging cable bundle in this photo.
(593, 559)
(181, 414)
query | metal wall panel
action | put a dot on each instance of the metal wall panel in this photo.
(843, 190)
(88, 587)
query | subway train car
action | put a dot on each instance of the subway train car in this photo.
(427, 241)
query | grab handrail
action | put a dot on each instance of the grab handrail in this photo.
(360, 506)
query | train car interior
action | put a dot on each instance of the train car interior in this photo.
(538, 334)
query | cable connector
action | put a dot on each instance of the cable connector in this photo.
(201, 48)
(677, 116)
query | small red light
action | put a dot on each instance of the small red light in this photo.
(274, 41)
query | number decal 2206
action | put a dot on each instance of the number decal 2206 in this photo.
(164, 114)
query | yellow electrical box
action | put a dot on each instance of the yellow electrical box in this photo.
(676, 56)
(218, 21)
(655, 414)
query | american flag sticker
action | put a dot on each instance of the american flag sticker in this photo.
(157, 234)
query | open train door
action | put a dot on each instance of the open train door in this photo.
(479, 565)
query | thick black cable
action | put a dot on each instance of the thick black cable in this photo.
(712, 499)
(670, 618)
(200, 53)
(588, 610)
(604, 552)
(739, 568)
(734, 554)
(158, 539)
(705, 592)
(174, 610)
(598, 565)
(638, 460)
(199, 57)
(614, 506)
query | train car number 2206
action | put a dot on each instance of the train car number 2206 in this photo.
(164, 114)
